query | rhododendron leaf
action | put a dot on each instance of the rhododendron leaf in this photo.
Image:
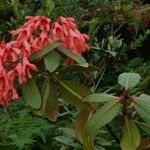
(131, 136)
(81, 133)
(144, 126)
(145, 97)
(88, 141)
(99, 97)
(51, 106)
(52, 61)
(80, 60)
(129, 80)
(44, 51)
(31, 94)
(79, 68)
(44, 97)
(103, 116)
(73, 92)
(142, 106)
(45, 93)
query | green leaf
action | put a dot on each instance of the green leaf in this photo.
(66, 140)
(78, 68)
(73, 92)
(2, 4)
(80, 60)
(131, 136)
(99, 97)
(52, 61)
(113, 53)
(145, 97)
(111, 40)
(44, 97)
(69, 132)
(51, 106)
(81, 121)
(44, 51)
(88, 141)
(103, 116)
(31, 94)
(144, 126)
(136, 62)
(85, 139)
(129, 80)
(142, 106)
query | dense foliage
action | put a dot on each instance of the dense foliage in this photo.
(84, 93)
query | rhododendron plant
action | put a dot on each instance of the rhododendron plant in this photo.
(40, 46)
(30, 38)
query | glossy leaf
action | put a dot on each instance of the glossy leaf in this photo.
(51, 106)
(142, 106)
(80, 131)
(144, 126)
(103, 116)
(131, 136)
(31, 94)
(79, 68)
(80, 122)
(88, 141)
(44, 97)
(99, 97)
(80, 60)
(44, 51)
(52, 61)
(145, 97)
(129, 80)
(73, 92)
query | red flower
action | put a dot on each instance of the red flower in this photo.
(12, 64)
(23, 70)
(8, 93)
(33, 35)
(65, 31)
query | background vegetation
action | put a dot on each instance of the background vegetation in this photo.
(119, 38)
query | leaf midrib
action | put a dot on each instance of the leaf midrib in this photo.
(70, 90)
(109, 108)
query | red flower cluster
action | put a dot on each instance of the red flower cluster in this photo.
(65, 30)
(30, 38)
